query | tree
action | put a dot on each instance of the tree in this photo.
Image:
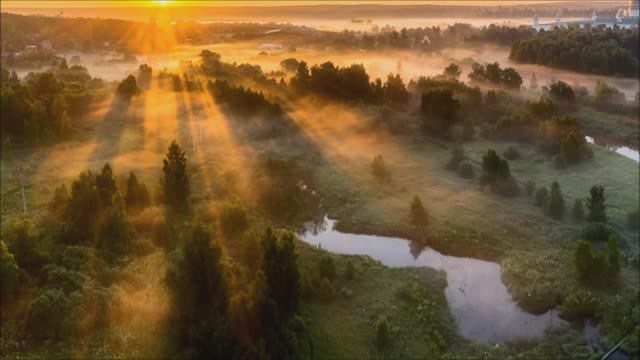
(571, 147)
(128, 88)
(555, 204)
(58, 203)
(48, 315)
(9, 272)
(561, 91)
(115, 232)
(603, 94)
(583, 259)
(83, 208)
(199, 297)
(452, 71)
(596, 205)
(494, 167)
(439, 109)
(379, 169)
(137, 196)
(233, 219)
(418, 214)
(176, 178)
(106, 185)
(279, 264)
(383, 336)
(144, 76)
(289, 64)
(395, 92)
(578, 211)
(613, 255)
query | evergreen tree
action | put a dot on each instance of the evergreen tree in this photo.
(419, 215)
(555, 205)
(613, 255)
(595, 204)
(106, 185)
(176, 179)
(279, 264)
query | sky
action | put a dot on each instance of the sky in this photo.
(216, 3)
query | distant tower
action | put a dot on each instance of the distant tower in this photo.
(619, 15)
(536, 21)
(558, 18)
(594, 17)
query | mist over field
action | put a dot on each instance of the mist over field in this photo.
(316, 181)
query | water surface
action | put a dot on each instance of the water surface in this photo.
(478, 299)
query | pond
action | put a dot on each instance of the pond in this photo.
(483, 309)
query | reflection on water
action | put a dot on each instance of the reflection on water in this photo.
(480, 303)
(622, 150)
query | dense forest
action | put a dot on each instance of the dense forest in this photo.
(594, 50)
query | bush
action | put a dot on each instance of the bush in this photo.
(465, 170)
(511, 153)
(595, 204)
(579, 304)
(383, 336)
(596, 232)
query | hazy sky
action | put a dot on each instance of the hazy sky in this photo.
(152, 3)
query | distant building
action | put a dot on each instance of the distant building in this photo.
(30, 49)
(625, 18)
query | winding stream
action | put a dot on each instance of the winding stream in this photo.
(622, 150)
(478, 299)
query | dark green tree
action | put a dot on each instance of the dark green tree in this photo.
(555, 204)
(279, 264)
(106, 186)
(418, 214)
(452, 71)
(613, 255)
(199, 298)
(595, 204)
(176, 178)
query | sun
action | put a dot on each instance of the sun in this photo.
(162, 2)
